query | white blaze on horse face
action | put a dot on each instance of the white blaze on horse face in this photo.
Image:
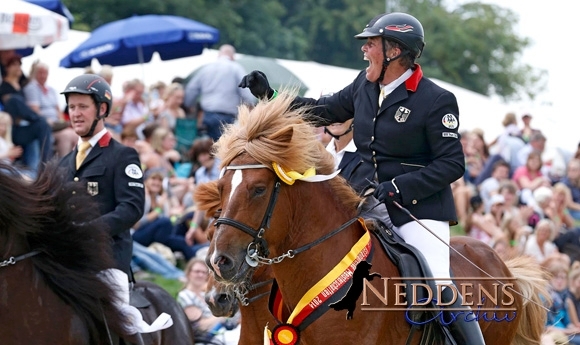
(236, 181)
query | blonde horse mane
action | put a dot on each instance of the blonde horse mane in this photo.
(277, 131)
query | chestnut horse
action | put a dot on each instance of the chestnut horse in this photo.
(273, 211)
(50, 257)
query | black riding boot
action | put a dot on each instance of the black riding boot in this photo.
(465, 332)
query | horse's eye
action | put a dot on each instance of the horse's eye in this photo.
(258, 191)
(217, 213)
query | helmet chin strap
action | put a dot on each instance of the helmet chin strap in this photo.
(387, 60)
(94, 125)
(336, 137)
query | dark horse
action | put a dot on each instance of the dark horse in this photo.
(50, 256)
(305, 230)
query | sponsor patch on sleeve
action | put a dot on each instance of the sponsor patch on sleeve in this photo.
(450, 135)
(450, 121)
(133, 171)
(136, 184)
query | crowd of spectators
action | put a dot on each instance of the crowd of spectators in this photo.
(521, 197)
(518, 194)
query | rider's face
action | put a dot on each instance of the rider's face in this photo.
(82, 111)
(373, 53)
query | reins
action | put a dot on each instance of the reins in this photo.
(13, 260)
(241, 295)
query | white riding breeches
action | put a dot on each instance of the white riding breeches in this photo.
(135, 323)
(435, 250)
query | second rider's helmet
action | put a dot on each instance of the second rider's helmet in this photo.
(94, 85)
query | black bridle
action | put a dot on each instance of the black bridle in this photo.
(257, 251)
(242, 292)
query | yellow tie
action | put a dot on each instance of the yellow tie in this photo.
(82, 154)
(382, 96)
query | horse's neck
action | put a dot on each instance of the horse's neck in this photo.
(295, 276)
(254, 317)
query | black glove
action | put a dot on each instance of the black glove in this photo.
(258, 84)
(387, 193)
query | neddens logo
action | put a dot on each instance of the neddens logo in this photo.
(493, 302)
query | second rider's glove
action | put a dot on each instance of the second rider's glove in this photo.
(258, 84)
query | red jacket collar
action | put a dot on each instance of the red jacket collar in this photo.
(105, 140)
(413, 82)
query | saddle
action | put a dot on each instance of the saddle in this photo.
(409, 261)
(137, 298)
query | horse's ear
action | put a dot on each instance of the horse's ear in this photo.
(284, 135)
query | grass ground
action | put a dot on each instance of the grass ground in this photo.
(170, 285)
(457, 230)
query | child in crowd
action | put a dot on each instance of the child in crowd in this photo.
(559, 316)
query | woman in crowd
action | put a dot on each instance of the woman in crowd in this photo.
(540, 244)
(192, 299)
(171, 109)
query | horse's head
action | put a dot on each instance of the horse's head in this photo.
(262, 155)
(220, 298)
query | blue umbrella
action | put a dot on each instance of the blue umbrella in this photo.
(55, 6)
(135, 39)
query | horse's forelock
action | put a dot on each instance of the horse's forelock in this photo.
(275, 131)
(207, 197)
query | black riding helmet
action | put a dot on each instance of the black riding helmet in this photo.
(94, 85)
(402, 28)
(97, 88)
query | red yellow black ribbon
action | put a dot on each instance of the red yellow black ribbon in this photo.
(331, 288)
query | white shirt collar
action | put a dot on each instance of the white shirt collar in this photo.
(95, 139)
(387, 89)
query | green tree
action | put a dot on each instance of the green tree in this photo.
(473, 46)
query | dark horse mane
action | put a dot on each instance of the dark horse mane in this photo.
(54, 218)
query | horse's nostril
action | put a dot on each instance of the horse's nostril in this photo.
(223, 298)
(224, 263)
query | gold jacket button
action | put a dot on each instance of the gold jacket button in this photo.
(414, 202)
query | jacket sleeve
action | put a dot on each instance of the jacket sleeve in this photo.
(337, 108)
(129, 192)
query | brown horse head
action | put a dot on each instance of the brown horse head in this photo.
(257, 210)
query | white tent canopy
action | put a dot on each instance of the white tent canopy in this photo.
(476, 110)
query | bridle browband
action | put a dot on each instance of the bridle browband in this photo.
(13, 260)
(257, 251)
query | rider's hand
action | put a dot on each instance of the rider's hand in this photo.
(258, 85)
(387, 193)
